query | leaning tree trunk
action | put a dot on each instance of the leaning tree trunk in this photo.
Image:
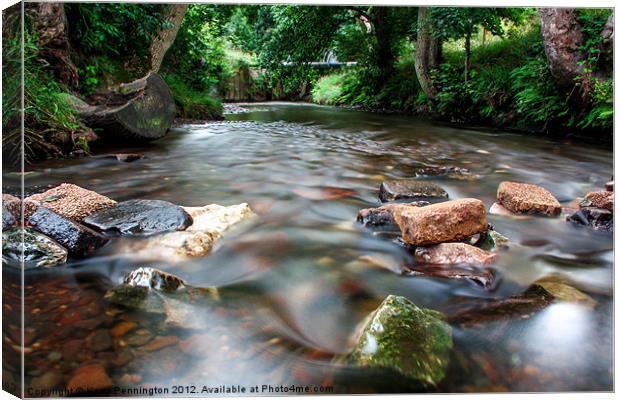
(427, 54)
(163, 40)
(562, 39)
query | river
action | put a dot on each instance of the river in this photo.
(296, 291)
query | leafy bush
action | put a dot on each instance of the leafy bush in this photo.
(328, 89)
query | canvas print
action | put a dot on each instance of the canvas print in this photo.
(278, 199)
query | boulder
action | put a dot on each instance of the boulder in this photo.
(13, 205)
(525, 198)
(443, 222)
(217, 219)
(601, 199)
(8, 220)
(140, 216)
(88, 379)
(448, 172)
(209, 224)
(68, 200)
(78, 239)
(384, 216)
(140, 111)
(560, 290)
(154, 279)
(400, 336)
(609, 186)
(453, 253)
(172, 246)
(410, 189)
(598, 219)
(39, 250)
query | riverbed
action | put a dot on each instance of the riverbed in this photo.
(293, 285)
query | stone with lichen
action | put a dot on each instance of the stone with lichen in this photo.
(413, 341)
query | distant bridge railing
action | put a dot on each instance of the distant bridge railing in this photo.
(323, 65)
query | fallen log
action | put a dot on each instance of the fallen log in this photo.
(141, 110)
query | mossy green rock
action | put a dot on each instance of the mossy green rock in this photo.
(560, 289)
(492, 241)
(413, 341)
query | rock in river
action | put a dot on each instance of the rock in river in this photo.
(453, 253)
(384, 216)
(39, 250)
(448, 172)
(88, 379)
(413, 341)
(598, 219)
(13, 205)
(560, 290)
(8, 220)
(525, 198)
(140, 216)
(209, 224)
(78, 239)
(410, 189)
(218, 219)
(442, 222)
(601, 199)
(68, 200)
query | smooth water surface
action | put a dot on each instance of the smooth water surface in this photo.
(293, 289)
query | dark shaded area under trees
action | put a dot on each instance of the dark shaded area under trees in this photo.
(537, 70)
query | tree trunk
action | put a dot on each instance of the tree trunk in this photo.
(427, 54)
(467, 55)
(385, 56)
(607, 45)
(51, 26)
(562, 38)
(163, 40)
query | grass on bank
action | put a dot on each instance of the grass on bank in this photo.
(193, 104)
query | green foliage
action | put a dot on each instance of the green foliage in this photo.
(191, 103)
(47, 115)
(121, 29)
(199, 50)
(328, 89)
(601, 115)
(537, 99)
(592, 22)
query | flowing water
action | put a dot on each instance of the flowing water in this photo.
(292, 285)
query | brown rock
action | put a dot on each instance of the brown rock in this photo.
(600, 199)
(384, 216)
(525, 198)
(498, 209)
(160, 342)
(12, 204)
(442, 222)
(89, 378)
(453, 253)
(68, 200)
(122, 328)
(609, 186)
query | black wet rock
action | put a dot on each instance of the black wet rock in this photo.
(598, 219)
(383, 216)
(448, 172)
(410, 189)
(78, 239)
(140, 216)
(38, 249)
